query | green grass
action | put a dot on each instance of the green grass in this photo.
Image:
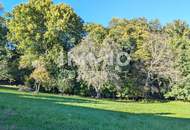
(26, 111)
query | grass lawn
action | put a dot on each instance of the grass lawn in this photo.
(25, 111)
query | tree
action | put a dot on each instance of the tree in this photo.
(41, 29)
(40, 75)
(161, 64)
(130, 34)
(180, 32)
(94, 64)
(4, 69)
(181, 90)
(36, 37)
(177, 29)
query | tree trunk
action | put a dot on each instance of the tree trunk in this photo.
(147, 79)
(37, 87)
(98, 94)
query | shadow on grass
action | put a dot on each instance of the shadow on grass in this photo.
(56, 111)
(45, 99)
(60, 99)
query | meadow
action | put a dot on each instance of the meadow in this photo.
(21, 111)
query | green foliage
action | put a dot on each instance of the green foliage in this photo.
(180, 33)
(66, 81)
(4, 56)
(131, 34)
(36, 36)
(43, 30)
(96, 32)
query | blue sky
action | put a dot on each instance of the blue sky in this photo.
(101, 11)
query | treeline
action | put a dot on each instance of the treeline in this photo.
(39, 39)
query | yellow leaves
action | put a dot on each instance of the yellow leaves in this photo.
(40, 74)
(141, 53)
(127, 32)
(96, 32)
(43, 29)
(30, 27)
(57, 55)
(41, 5)
(27, 60)
(38, 36)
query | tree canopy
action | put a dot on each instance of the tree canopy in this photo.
(48, 47)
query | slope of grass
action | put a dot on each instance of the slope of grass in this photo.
(26, 111)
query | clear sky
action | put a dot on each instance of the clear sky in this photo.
(101, 11)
